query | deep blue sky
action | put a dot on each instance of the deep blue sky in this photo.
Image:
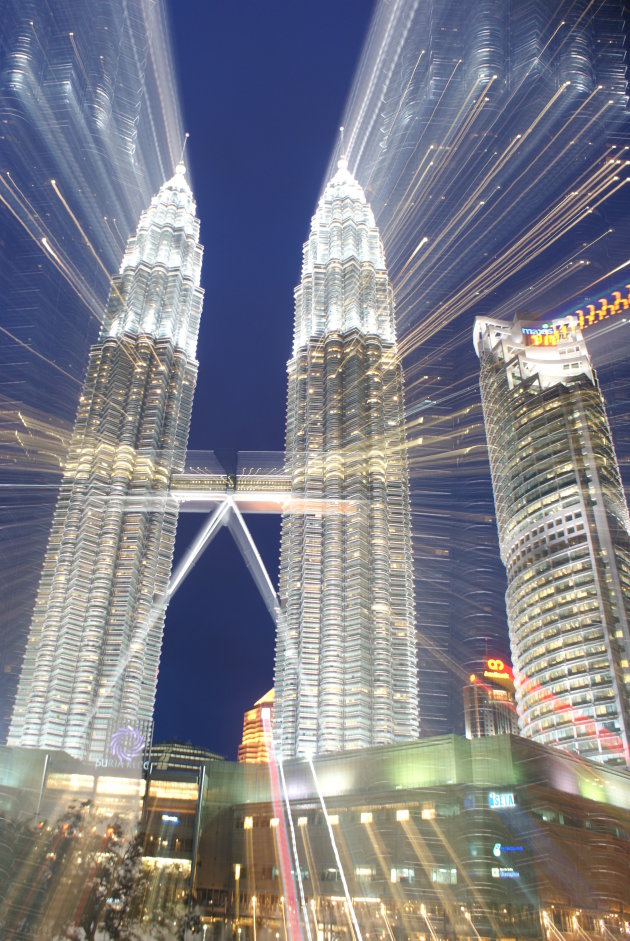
(263, 88)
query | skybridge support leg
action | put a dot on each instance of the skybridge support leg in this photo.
(253, 561)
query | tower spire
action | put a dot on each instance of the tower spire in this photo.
(181, 158)
(342, 163)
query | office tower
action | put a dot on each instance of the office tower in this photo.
(489, 704)
(467, 131)
(345, 674)
(253, 747)
(564, 533)
(92, 656)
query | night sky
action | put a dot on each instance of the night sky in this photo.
(263, 88)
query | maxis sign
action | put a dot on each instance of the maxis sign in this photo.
(551, 334)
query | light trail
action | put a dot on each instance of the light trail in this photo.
(333, 844)
(31, 222)
(294, 933)
(552, 225)
(39, 355)
(296, 857)
(379, 852)
(469, 205)
(409, 160)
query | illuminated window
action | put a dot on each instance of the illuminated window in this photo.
(248, 823)
(404, 875)
(402, 815)
(366, 816)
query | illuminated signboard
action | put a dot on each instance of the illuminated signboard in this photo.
(127, 743)
(551, 334)
(496, 669)
(505, 872)
(499, 800)
(169, 818)
(499, 848)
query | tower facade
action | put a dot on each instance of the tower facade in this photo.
(346, 672)
(93, 651)
(564, 533)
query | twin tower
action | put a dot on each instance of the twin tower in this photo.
(346, 671)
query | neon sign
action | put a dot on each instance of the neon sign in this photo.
(169, 818)
(550, 335)
(505, 872)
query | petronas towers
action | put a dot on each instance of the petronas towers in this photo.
(346, 674)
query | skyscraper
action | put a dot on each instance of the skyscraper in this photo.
(564, 532)
(345, 674)
(489, 705)
(253, 747)
(92, 656)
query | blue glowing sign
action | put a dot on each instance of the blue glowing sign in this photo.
(499, 848)
(505, 872)
(169, 818)
(499, 800)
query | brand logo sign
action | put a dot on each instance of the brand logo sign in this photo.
(499, 800)
(127, 743)
(551, 334)
(505, 872)
(497, 670)
(499, 848)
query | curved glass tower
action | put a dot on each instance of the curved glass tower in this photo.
(346, 672)
(564, 532)
(91, 661)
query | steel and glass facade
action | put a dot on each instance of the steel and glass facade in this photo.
(564, 533)
(346, 674)
(92, 656)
